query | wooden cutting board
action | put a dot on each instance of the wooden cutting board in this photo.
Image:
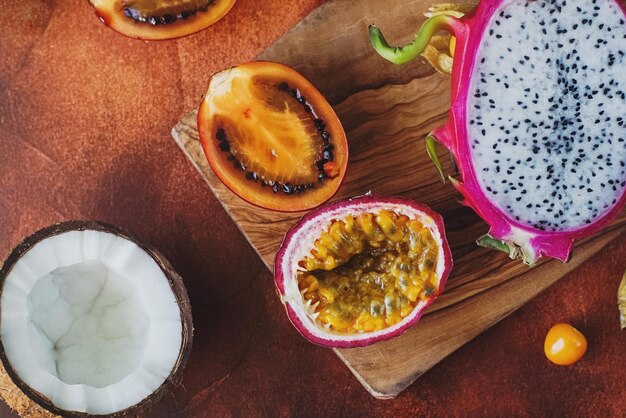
(387, 111)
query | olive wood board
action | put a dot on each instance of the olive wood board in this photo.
(387, 111)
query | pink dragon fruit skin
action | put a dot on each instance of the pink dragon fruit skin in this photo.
(506, 233)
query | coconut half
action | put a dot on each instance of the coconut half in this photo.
(92, 322)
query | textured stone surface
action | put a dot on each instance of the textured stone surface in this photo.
(85, 116)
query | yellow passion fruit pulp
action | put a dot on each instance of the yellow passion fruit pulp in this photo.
(368, 272)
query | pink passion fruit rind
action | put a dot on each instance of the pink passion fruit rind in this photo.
(301, 239)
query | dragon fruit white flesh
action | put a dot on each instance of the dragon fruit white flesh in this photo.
(538, 118)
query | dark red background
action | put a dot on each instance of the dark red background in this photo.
(85, 116)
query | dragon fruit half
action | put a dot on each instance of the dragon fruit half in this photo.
(538, 119)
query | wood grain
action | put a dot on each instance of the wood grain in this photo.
(387, 111)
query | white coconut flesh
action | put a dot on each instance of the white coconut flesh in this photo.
(302, 243)
(90, 322)
(546, 111)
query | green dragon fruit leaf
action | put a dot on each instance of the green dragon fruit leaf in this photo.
(437, 52)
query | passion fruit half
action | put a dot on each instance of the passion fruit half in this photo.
(362, 270)
(160, 19)
(271, 137)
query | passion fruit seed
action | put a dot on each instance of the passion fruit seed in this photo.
(161, 12)
(324, 166)
(368, 273)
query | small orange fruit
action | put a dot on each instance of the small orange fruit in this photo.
(564, 345)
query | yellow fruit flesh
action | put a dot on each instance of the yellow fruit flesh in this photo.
(270, 133)
(368, 273)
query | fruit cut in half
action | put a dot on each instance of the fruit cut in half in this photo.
(160, 19)
(271, 137)
(537, 123)
(362, 270)
(92, 322)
